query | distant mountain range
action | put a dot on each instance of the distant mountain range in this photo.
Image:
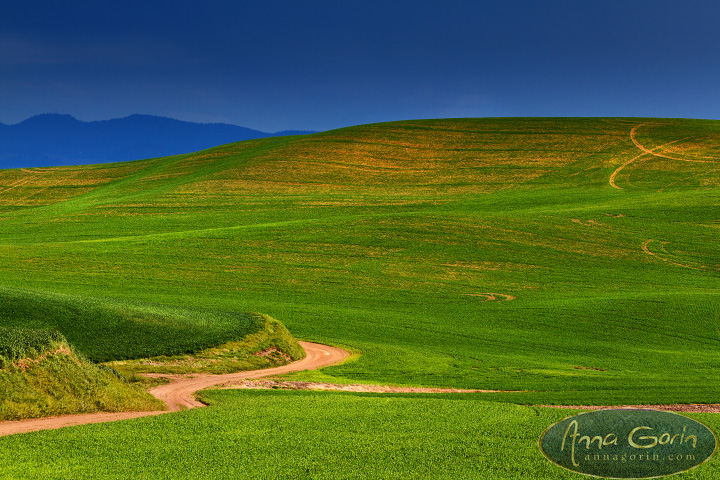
(54, 139)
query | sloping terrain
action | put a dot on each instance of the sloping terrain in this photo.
(572, 261)
(42, 376)
(106, 329)
(176, 395)
(480, 254)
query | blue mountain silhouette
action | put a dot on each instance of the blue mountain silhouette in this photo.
(54, 139)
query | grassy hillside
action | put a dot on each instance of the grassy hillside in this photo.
(106, 330)
(268, 343)
(41, 376)
(574, 260)
(489, 253)
(298, 435)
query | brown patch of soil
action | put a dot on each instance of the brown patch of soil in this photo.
(296, 385)
(588, 223)
(275, 355)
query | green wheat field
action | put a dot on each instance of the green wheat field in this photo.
(556, 261)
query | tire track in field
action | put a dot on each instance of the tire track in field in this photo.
(33, 175)
(645, 248)
(16, 184)
(489, 297)
(654, 152)
(179, 394)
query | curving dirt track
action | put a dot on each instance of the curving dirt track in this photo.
(180, 392)
(647, 151)
(646, 249)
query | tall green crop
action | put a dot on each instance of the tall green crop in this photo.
(17, 343)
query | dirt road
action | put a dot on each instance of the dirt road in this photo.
(180, 392)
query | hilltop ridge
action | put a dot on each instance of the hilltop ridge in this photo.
(497, 254)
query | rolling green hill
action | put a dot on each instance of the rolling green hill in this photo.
(42, 376)
(487, 253)
(569, 260)
(112, 330)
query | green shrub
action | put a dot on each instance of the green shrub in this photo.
(17, 343)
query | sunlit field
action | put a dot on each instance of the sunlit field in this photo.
(557, 261)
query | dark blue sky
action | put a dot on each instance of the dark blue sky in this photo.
(273, 65)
